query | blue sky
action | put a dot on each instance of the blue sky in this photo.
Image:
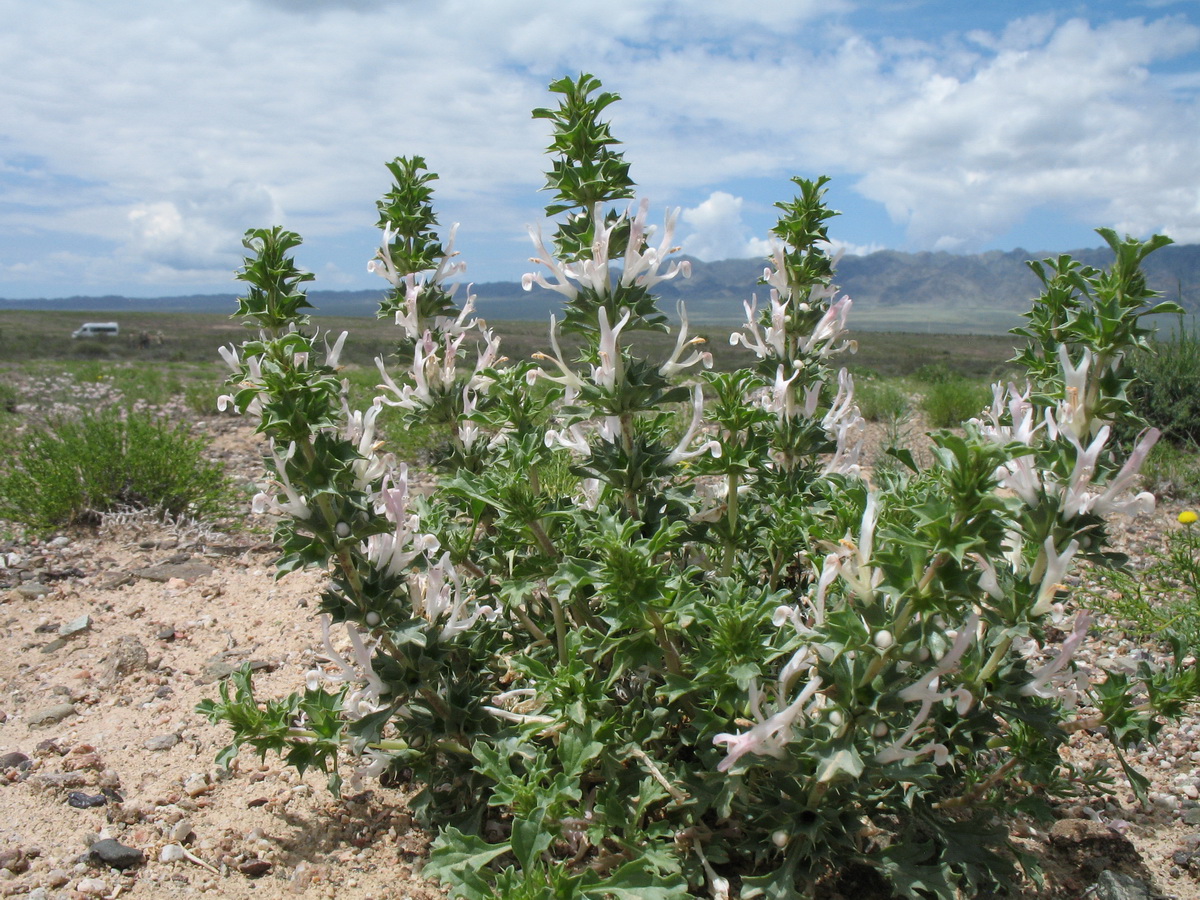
(140, 139)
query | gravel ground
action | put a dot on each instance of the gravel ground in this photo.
(107, 781)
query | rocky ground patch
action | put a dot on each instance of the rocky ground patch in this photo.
(108, 786)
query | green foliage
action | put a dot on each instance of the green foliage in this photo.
(628, 659)
(881, 401)
(1166, 389)
(74, 469)
(949, 403)
(1173, 472)
(1161, 600)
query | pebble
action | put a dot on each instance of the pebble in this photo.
(81, 800)
(13, 759)
(91, 886)
(51, 715)
(162, 742)
(32, 590)
(115, 854)
(255, 868)
(196, 784)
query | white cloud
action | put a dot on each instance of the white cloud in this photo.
(141, 139)
(718, 232)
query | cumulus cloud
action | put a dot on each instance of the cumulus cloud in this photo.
(718, 232)
(146, 137)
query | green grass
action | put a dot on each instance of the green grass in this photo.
(71, 471)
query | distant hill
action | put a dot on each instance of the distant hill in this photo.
(899, 291)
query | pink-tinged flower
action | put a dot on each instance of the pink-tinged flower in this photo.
(562, 281)
(608, 373)
(1077, 500)
(927, 692)
(680, 453)
(770, 736)
(1072, 415)
(1050, 569)
(571, 438)
(365, 699)
(781, 401)
(754, 340)
(439, 595)
(641, 266)
(1039, 686)
(831, 326)
(568, 378)
(1110, 500)
(675, 365)
(295, 505)
(394, 552)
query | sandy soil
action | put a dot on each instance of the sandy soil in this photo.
(107, 712)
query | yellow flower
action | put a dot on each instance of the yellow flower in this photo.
(1187, 517)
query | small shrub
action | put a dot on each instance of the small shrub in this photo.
(881, 401)
(1172, 472)
(1163, 599)
(949, 403)
(74, 470)
(1165, 390)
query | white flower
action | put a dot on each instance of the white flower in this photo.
(680, 453)
(770, 736)
(926, 690)
(674, 365)
(1039, 686)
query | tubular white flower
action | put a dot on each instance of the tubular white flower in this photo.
(831, 326)
(562, 282)
(680, 452)
(1049, 570)
(608, 373)
(926, 690)
(752, 338)
(641, 267)
(571, 438)
(770, 736)
(674, 365)
(1040, 685)
(1110, 501)
(568, 378)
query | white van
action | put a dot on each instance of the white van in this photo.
(97, 329)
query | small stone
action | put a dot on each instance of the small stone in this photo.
(55, 645)
(126, 657)
(115, 854)
(172, 853)
(14, 861)
(81, 800)
(56, 878)
(91, 886)
(162, 742)
(181, 830)
(196, 784)
(255, 868)
(13, 760)
(1192, 817)
(50, 715)
(167, 633)
(1119, 886)
(32, 590)
(186, 571)
(74, 626)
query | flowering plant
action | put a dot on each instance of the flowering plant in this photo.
(656, 632)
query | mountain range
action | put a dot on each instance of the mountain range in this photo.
(893, 290)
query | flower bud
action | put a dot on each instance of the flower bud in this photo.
(780, 838)
(880, 730)
(884, 639)
(373, 619)
(342, 529)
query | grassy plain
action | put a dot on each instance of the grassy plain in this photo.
(28, 336)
